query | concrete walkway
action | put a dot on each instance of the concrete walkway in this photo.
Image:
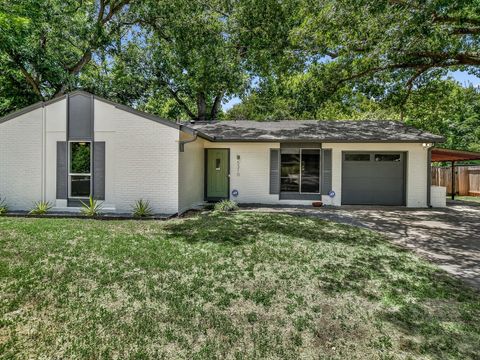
(449, 237)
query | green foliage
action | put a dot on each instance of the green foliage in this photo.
(295, 59)
(92, 208)
(391, 44)
(142, 208)
(41, 208)
(226, 206)
(118, 75)
(81, 158)
(44, 45)
(189, 55)
(446, 108)
(3, 206)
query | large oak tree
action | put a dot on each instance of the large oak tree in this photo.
(399, 42)
(45, 44)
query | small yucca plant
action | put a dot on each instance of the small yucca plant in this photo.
(92, 208)
(142, 208)
(41, 208)
(226, 206)
(3, 206)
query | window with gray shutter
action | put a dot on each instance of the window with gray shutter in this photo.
(99, 170)
(62, 170)
(326, 171)
(274, 171)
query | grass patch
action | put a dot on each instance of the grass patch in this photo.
(475, 199)
(239, 286)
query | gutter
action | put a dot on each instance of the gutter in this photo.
(194, 132)
(182, 143)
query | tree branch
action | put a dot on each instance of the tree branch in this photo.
(460, 58)
(409, 86)
(455, 20)
(28, 77)
(113, 10)
(466, 31)
(180, 101)
(102, 20)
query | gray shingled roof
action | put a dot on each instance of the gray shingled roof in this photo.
(312, 130)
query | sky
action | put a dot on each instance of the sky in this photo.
(462, 77)
(465, 78)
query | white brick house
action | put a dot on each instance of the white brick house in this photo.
(67, 149)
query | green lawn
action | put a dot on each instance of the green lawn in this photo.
(237, 286)
(475, 199)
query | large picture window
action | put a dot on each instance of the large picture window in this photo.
(80, 174)
(300, 171)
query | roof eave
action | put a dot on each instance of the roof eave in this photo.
(297, 140)
(30, 108)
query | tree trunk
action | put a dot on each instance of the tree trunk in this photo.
(216, 107)
(201, 107)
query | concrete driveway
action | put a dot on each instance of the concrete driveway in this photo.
(449, 237)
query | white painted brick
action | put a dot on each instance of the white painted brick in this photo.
(21, 160)
(142, 161)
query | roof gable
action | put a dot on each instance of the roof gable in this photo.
(129, 109)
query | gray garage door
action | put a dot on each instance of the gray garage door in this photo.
(373, 178)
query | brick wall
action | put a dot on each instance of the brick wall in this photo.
(141, 159)
(21, 160)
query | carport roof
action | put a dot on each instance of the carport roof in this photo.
(312, 131)
(439, 154)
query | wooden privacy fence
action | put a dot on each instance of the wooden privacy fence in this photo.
(467, 179)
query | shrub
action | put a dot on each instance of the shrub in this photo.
(41, 208)
(142, 208)
(226, 206)
(209, 207)
(93, 208)
(3, 206)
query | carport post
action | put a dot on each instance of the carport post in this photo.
(453, 180)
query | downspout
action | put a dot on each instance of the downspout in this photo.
(182, 143)
(44, 152)
(429, 177)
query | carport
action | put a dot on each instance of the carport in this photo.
(453, 156)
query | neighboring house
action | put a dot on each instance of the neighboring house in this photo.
(79, 145)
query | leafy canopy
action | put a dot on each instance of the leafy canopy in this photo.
(45, 44)
(296, 59)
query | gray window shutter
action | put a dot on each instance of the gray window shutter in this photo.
(326, 171)
(62, 170)
(274, 171)
(99, 170)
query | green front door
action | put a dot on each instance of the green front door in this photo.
(217, 174)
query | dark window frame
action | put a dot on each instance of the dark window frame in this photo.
(395, 157)
(299, 152)
(78, 175)
(348, 157)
